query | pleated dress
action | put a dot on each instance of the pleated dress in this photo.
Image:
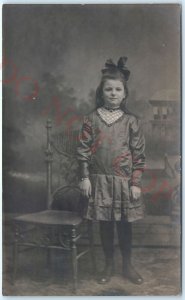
(113, 145)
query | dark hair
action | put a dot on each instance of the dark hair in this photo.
(99, 92)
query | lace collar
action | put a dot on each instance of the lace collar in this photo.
(109, 117)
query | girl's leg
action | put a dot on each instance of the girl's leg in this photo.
(107, 240)
(124, 230)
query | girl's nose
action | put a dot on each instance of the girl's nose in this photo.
(113, 92)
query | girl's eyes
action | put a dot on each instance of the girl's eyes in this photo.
(110, 89)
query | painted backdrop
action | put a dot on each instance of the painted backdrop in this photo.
(52, 57)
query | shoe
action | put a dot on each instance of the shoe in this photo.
(106, 275)
(130, 273)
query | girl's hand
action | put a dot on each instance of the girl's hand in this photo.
(135, 192)
(85, 187)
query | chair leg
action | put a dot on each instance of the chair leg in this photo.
(91, 244)
(48, 258)
(15, 255)
(74, 259)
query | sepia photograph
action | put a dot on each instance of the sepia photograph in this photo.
(91, 150)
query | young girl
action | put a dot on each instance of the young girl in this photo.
(111, 159)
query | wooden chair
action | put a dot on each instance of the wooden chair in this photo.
(61, 226)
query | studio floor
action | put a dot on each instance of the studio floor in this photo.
(160, 268)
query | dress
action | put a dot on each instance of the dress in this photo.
(115, 156)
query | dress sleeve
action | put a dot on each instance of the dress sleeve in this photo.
(84, 149)
(137, 146)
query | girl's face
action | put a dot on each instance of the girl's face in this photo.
(113, 92)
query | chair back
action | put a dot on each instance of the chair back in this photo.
(62, 170)
(69, 198)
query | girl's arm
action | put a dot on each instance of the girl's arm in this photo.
(84, 152)
(137, 146)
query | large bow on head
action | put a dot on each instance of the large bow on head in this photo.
(110, 65)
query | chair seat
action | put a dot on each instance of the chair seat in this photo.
(52, 217)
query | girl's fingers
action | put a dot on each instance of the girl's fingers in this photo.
(85, 187)
(136, 196)
(85, 193)
(135, 193)
(90, 190)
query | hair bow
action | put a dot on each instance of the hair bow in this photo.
(111, 66)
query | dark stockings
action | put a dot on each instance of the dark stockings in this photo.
(107, 239)
(124, 230)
